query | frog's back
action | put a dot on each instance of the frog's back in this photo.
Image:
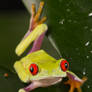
(38, 57)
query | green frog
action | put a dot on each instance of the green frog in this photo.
(38, 67)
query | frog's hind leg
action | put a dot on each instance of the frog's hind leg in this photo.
(34, 20)
(38, 42)
(32, 36)
(31, 21)
(37, 15)
(75, 82)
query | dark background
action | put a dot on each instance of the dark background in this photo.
(11, 5)
(69, 36)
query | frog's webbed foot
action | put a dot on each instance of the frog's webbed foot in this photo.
(34, 21)
(75, 82)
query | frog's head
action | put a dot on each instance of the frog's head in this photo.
(39, 66)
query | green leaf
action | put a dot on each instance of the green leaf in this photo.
(11, 83)
(69, 36)
(10, 33)
(70, 26)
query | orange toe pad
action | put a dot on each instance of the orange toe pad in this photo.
(36, 15)
(75, 84)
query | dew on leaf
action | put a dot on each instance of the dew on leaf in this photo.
(69, 20)
(87, 43)
(84, 71)
(91, 29)
(75, 21)
(90, 14)
(87, 57)
(60, 1)
(88, 86)
(62, 21)
(86, 27)
(91, 51)
(68, 10)
(78, 53)
(76, 49)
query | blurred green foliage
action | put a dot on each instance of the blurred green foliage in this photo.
(70, 29)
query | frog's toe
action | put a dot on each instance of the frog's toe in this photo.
(21, 90)
(36, 16)
(75, 84)
(67, 82)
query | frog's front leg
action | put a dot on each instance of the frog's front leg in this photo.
(75, 82)
(30, 87)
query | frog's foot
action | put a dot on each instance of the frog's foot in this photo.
(34, 20)
(36, 16)
(35, 33)
(33, 23)
(75, 82)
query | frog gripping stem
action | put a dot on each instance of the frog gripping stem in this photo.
(38, 42)
(40, 29)
(34, 21)
(36, 32)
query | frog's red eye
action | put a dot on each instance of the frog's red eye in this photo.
(33, 68)
(64, 65)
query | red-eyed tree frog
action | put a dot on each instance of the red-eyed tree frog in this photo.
(37, 66)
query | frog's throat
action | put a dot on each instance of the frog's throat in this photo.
(41, 83)
(49, 81)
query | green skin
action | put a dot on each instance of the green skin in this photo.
(47, 65)
(49, 70)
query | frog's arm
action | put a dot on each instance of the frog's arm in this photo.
(35, 33)
(74, 81)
